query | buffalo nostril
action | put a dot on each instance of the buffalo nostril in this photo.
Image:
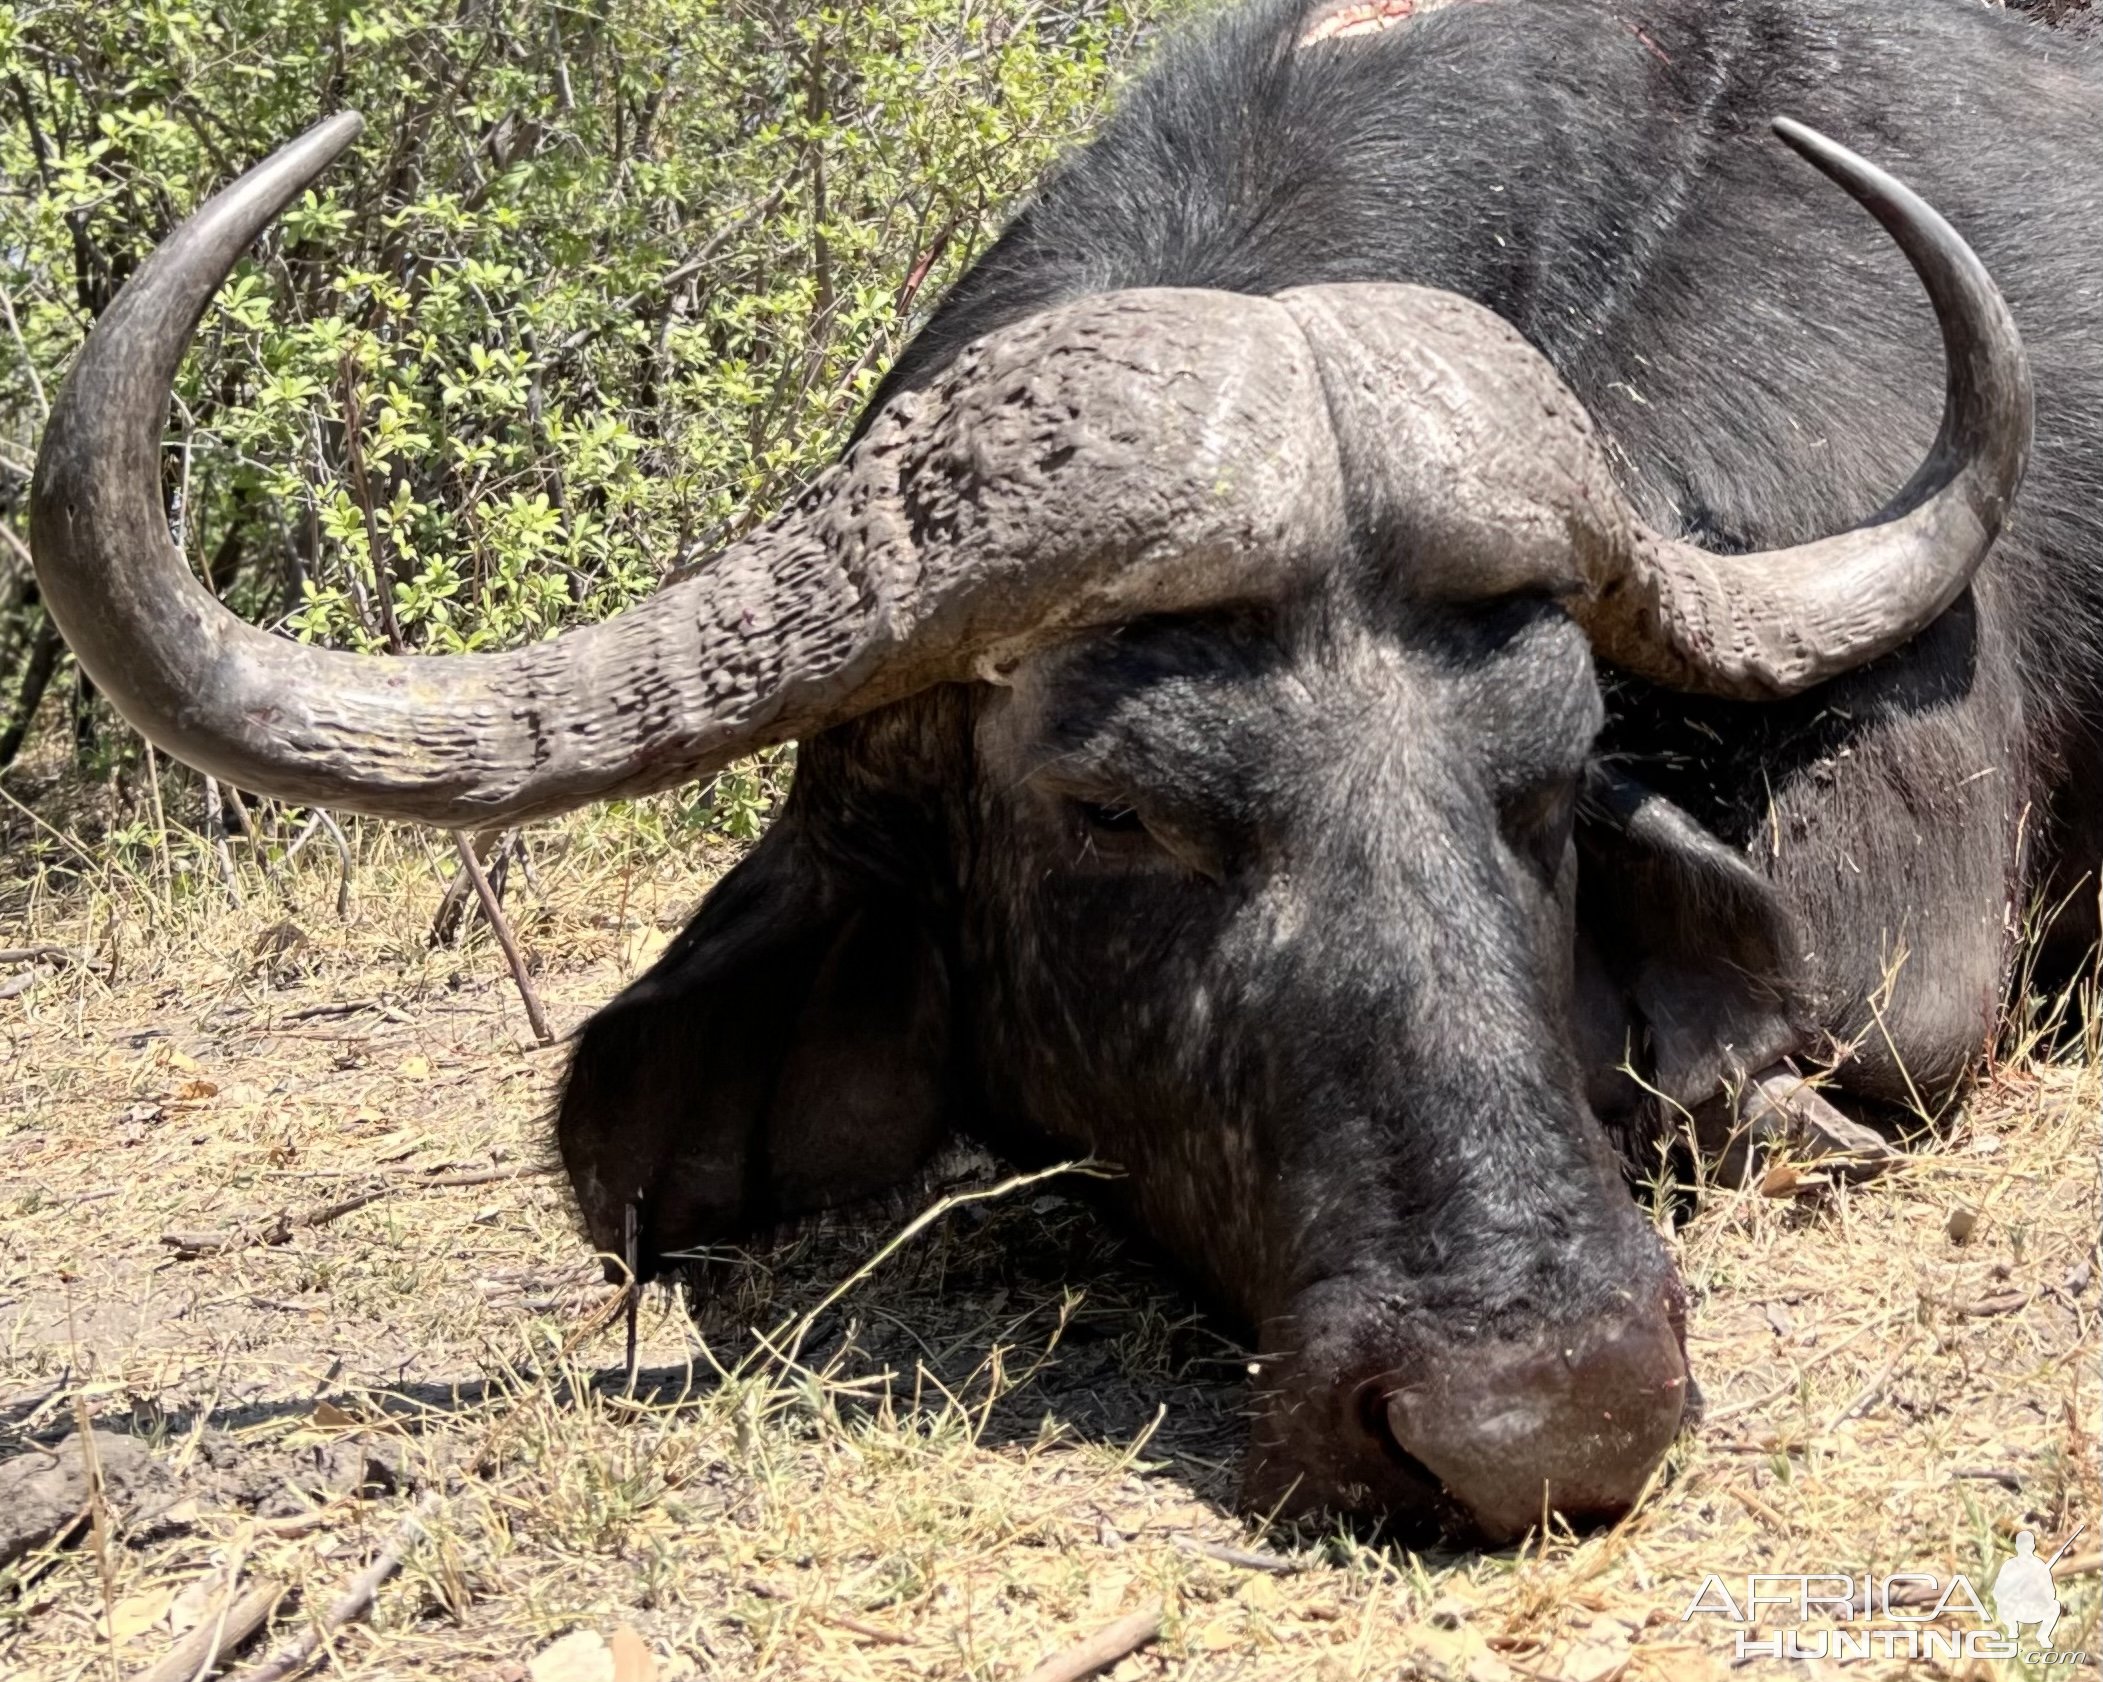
(1575, 1422)
(1371, 1415)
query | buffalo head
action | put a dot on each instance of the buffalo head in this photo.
(1198, 694)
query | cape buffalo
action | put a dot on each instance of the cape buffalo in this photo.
(1413, 599)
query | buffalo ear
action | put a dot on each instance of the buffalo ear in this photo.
(788, 1053)
(1688, 962)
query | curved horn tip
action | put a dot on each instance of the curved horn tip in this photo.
(320, 146)
(1863, 180)
(1877, 190)
(291, 169)
(1802, 137)
(1795, 617)
(337, 131)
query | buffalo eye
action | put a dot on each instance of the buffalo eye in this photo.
(1111, 818)
(1538, 823)
(1113, 829)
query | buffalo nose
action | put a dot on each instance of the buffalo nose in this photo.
(1574, 1421)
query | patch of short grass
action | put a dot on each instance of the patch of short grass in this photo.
(1006, 1434)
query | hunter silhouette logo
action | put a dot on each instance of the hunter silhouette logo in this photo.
(2022, 1589)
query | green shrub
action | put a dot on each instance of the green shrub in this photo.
(597, 289)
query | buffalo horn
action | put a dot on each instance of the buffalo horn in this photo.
(1769, 624)
(1132, 453)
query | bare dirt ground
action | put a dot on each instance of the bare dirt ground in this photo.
(1002, 1437)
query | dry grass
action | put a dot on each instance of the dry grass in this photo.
(1006, 1436)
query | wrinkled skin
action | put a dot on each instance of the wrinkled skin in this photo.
(1335, 920)
(1288, 776)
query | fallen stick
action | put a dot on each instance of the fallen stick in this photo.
(1100, 1651)
(1242, 1559)
(189, 1246)
(469, 1176)
(216, 1636)
(436, 1174)
(842, 1620)
(354, 1602)
(631, 1218)
(2001, 1302)
(300, 1524)
(98, 1511)
(861, 1626)
(49, 954)
(19, 1408)
(1761, 1510)
(2008, 1480)
(312, 1013)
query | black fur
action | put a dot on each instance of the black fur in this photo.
(1284, 909)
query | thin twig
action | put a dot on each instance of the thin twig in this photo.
(354, 1602)
(861, 1626)
(164, 872)
(1102, 1649)
(98, 1516)
(1242, 1559)
(313, 1013)
(409, 1177)
(791, 1333)
(29, 363)
(37, 668)
(344, 858)
(631, 1258)
(302, 1524)
(321, 822)
(831, 1615)
(215, 839)
(361, 493)
(1751, 1404)
(493, 847)
(500, 925)
(473, 1176)
(298, 844)
(2001, 1302)
(668, 282)
(1761, 1510)
(1866, 1397)
(189, 1246)
(49, 954)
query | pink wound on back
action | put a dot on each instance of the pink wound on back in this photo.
(1362, 17)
